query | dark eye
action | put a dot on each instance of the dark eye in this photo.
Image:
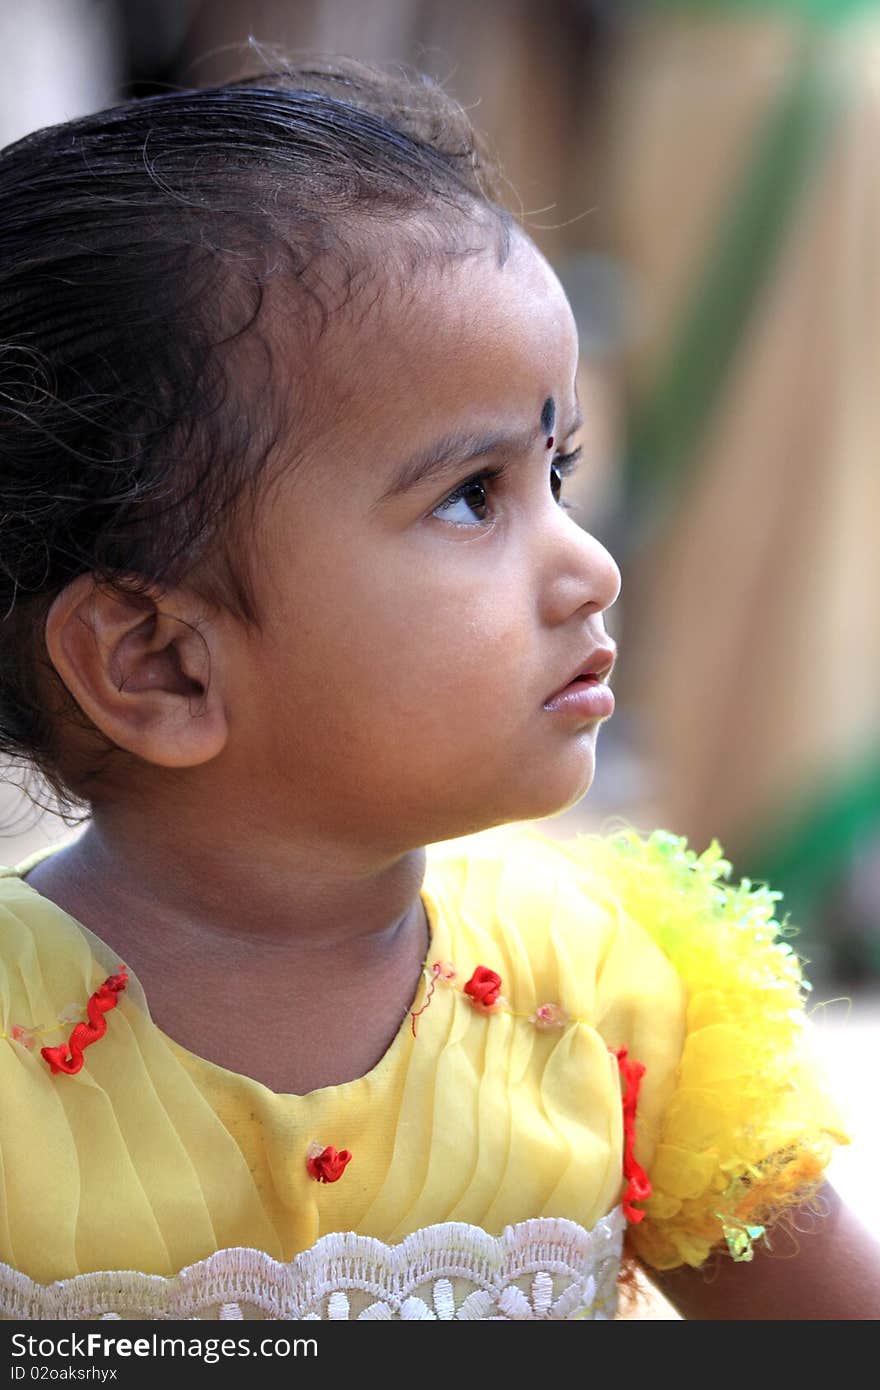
(476, 494)
(473, 494)
(563, 466)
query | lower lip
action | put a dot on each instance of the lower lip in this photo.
(589, 699)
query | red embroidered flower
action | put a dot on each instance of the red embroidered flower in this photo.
(327, 1165)
(484, 986)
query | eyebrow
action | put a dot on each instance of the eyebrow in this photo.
(452, 450)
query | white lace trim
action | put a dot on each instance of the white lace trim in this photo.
(544, 1268)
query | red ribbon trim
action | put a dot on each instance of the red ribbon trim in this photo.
(638, 1184)
(84, 1034)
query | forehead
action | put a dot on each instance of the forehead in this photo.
(462, 334)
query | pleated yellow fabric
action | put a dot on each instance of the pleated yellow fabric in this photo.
(151, 1158)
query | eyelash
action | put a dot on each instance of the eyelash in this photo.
(564, 465)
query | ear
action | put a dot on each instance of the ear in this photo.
(145, 669)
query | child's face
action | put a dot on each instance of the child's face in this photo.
(410, 641)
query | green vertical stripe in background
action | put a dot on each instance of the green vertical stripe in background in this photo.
(665, 427)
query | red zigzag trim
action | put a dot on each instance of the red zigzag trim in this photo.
(638, 1184)
(84, 1034)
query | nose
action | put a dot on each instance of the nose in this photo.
(580, 574)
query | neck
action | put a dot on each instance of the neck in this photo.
(171, 891)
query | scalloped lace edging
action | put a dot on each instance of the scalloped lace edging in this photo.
(547, 1267)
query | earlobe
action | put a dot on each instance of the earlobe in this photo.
(146, 669)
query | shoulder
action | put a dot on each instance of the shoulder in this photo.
(648, 894)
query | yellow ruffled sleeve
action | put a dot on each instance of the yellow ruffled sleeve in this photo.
(749, 1125)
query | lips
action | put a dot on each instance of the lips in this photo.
(595, 667)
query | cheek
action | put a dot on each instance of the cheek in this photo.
(432, 644)
(455, 667)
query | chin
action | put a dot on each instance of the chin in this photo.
(555, 794)
(561, 805)
(542, 790)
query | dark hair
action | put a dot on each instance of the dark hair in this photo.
(135, 248)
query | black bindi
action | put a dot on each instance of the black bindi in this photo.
(548, 418)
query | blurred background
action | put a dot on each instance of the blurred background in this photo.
(702, 175)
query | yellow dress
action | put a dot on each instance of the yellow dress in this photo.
(487, 1147)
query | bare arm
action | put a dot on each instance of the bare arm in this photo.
(835, 1275)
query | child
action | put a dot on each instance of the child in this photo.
(289, 593)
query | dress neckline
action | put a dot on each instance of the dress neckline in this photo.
(399, 1046)
(107, 958)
